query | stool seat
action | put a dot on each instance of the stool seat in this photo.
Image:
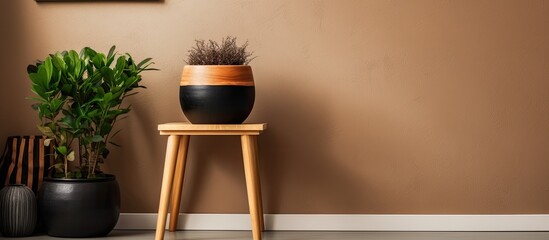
(183, 128)
(174, 168)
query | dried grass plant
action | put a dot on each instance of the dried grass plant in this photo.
(212, 53)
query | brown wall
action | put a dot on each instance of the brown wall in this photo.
(374, 106)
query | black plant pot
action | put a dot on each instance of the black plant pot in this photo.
(217, 94)
(79, 207)
(18, 213)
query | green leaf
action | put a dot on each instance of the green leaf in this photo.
(108, 74)
(32, 69)
(43, 77)
(90, 52)
(56, 104)
(107, 97)
(78, 174)
(48, 66)
(146, 60)
(111, 51)
(117, 112)
(68, 89)
(100, 92)
(90, 69)
(70, 156)
(85, 140)
(62, 150)
(93, 113)
(39, 91)
(74, 56)
(46, 131)
(58, 166)
(148, 69)
(63, 138)
(97, 61)
(105, 129)
(39, 100)
(73, 60)
(35, 106)
(35, 78)
(130, 94)
(58, 62)
(97, 138)
(69, 120)
(77, 69)
(120, 64)
(46, 111)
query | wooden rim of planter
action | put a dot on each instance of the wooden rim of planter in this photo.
(217, 75)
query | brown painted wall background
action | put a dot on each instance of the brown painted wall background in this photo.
(373, 106)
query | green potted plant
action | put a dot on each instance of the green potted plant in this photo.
(79, 98)
(217, 85)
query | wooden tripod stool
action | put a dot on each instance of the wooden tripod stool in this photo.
(174, 169)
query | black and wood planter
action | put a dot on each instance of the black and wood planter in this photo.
(79, 207)
(18, 214)
(217, 94)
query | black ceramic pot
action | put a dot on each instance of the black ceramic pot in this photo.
(220, 94)
(79, 207)
(18, 213)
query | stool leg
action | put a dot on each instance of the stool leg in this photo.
(258, 185)
(248, 153)
(178, 181)
(167, 179)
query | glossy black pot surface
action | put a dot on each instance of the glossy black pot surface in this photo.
(205, 104)
(79, 207)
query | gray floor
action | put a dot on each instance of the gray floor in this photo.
(246, 235)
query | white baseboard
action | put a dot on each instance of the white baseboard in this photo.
(346, 222)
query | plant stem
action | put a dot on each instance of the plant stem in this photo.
(66, 166)
(79, 153)
(106, 139)
(89, 150)
(114, 121)
(95, 163)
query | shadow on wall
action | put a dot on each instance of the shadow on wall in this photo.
(214, 159)
(300, 122)
(295, 157)
(139, 129)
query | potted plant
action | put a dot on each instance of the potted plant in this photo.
(79, 98)
(217, 85)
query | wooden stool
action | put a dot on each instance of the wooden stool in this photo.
(174, 169)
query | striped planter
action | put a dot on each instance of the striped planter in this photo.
(217, 94)
(18, 211)
(25, 161)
